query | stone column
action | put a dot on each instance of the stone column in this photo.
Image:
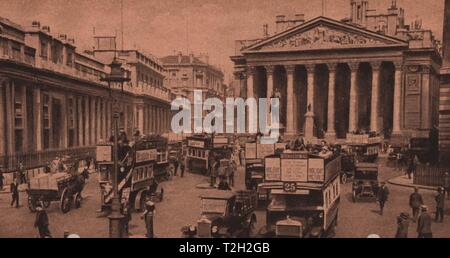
(309, 116)
(353, 111)
(9, 97)
(331, 132)
(2, 118)
(99, 120)
(87, 131)
(375, 96)
(290, 129)
(80, 120)
(396, 130)
(269, 93)
(38, 117)
(93, 122)
(140, 109)
(250, 93)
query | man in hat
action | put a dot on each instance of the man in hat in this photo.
(41, 222)
(14, 188)
(440, 199)
(415, 201)
(402, 225)
(148, 215)
(424, 224)
(383, 193)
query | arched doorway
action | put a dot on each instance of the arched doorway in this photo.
(342, 97)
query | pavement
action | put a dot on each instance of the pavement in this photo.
(406, 182)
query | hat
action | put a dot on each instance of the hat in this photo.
(424, 208)
(404, 215)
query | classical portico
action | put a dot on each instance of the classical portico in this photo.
(332, 78)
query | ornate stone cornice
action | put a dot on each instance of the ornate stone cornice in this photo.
(398, 64)
(250, 70)
(239, 75)
(332, 67)
(353, 66)
(376, 65)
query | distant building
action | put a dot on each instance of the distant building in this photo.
(52, 101)
(186, 73)
(369, 72)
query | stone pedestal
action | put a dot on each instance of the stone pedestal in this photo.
(330, 137)
(309, 125)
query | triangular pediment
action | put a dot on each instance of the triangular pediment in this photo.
(323, 33)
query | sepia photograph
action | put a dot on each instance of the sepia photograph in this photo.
(237, 119)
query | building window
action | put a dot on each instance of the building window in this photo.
(69, 59)
(44, 49)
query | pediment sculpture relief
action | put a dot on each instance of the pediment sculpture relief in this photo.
(321, 37)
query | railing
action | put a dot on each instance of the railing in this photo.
(41, 158)
(430, 175)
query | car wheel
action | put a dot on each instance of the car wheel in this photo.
(66, 202)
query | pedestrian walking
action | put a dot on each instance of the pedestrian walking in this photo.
(383, 194)
(440, 199)
(411, 167)
(447, 184)
(402, 225)
(182, 166)
(400, 161)
(21, 171)
(233, 169)
(14, 188)
(415, 201)
(424, 224)
(41, 222)
(148, 216)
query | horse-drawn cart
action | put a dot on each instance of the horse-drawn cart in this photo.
(63, 187)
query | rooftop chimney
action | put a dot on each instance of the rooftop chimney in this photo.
(446, 36)
(265, 30)
(191, 58)
(280, 21)
(62, 36)
(46, 28)
(71, 40)
(36, 24)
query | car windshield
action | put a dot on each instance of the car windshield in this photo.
(214, 206)
(366, 175)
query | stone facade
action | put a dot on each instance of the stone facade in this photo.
(52, 101)
(350, 74)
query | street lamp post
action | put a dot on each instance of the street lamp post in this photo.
(116, 77)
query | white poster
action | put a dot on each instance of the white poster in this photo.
(250, 150)
(103, 153)
(316, 171)
(196, 144)
(272, 169)
(294, 170)
(146, 155)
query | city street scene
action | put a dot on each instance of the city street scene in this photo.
(224, 119)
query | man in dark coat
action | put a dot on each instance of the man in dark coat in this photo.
(148, 216)
(383, 193)
(41, 222)
(415, 201)
(402, 225)
(440, 199)
(424, 224)
(1, 180)
(14, 188)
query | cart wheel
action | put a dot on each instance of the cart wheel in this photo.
(46, 204)
(78, 200)
(344, 178)
(31, 204)
(354, 196)
(65, 202)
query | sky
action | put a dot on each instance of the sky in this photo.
(164, 27)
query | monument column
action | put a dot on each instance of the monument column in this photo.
(397, 99)
(353, 111)
(309, 116)
(2, 119)
(331, 132)
(290, 70)
(375, 96)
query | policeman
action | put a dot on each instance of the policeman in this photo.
(148, 215)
